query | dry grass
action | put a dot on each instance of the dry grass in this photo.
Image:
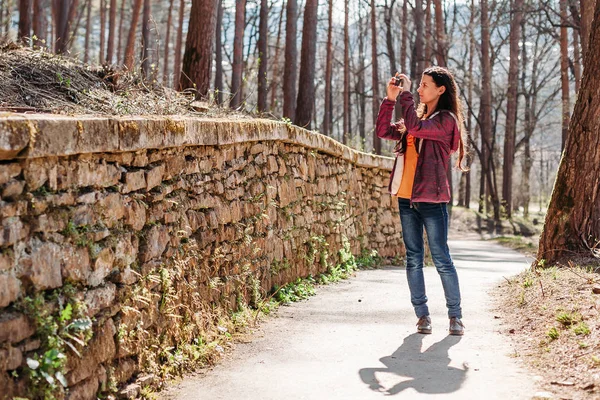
(40, 81)
(553, 318)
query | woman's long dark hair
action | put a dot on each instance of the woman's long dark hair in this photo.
(450, 101)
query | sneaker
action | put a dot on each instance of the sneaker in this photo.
(456, 327)
(424, 325)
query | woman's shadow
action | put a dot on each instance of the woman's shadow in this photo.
(427, 372)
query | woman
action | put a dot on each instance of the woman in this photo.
(426, 138)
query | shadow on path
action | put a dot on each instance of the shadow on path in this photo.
(425, 372)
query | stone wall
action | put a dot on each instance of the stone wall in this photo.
(119, 235)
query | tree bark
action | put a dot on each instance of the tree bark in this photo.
(197, 60)
(360, 83)
(516, 8)
(39, 22)
(419, 54)
(291, 58)
(404, 42)
(167, 43)
(587, 16)
(120, 45)
(178, 47)
(88, 28)
(328, 73)
(389, 12)
(219, 54)
(576, 60)
(130, 48)
(24, 21)
(428, 35)
(441, 50)
(306, 85)
(112, 27)
(64, 14)
(375, 77)
(102, 30)
(275, 63)
(238, 55)
(564, 72)
(263, 38)
(573, 218)
(346, 128)
(145, 54)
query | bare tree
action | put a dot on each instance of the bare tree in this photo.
(102, 30)
(167, 43)
(564, 72)
(238, 56)
(130, 48)
(112, 26)
(178, 47)
(275, 63)
(197, 60)
(306, 85)
(263, 38)
(145, 54)
(219, 54)
(516, 8)
(120, 46)
(88, 31)
(24, 21)
(375, 77)
(39, 22)
(327, 115)
(346, 113)
(573, 218)
(291, 58)
(63, 12)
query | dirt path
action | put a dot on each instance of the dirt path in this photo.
(356, 340)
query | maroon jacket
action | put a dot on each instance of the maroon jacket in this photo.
(440, 137)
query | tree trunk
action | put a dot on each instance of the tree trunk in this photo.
(145, 54)
(39, 22)
(130, 48)
(24, 21)
(219, 54)
(564, 72)
(167, 42)
(64, 12)
(238, 55)
(197, 60)
(587, 16)
(346, 128)
(306, 82)
(486, 113)
(418, 50)
(516, 8)
(361, 84)
(88, 28)
(328, 73)
(291, 59)
(102, 30)
(441, 51)
(120, 46)
(404, 42)
(112, 27)
(428, 35)
(576, 60)
(178, 47)
(375, 77)
(389, 39)
(263, 39)
(573, 218)
(275, 63)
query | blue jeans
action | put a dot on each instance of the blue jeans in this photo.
(434, 217)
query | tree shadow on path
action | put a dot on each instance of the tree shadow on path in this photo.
(426, 372)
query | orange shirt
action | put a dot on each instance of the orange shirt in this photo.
(410, 167)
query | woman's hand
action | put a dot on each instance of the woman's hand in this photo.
(392, 90)
(406, 83)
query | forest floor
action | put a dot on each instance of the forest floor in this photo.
(551, 314)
